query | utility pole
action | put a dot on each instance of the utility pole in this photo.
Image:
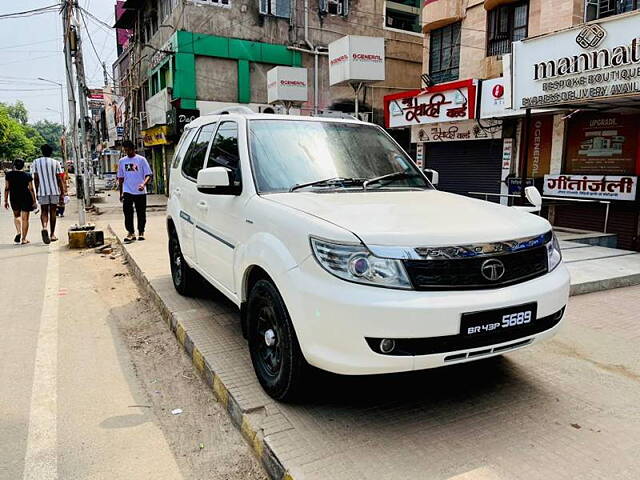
(104, 74)
(73, 120)
(82, 102)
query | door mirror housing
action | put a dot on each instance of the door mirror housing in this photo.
(432, 175)
(214, 180)
(533, 196)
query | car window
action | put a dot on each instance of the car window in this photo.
(185, 140)
(194, 158)
(224, 150)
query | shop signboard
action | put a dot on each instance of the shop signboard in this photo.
(578, 65)
(599, 187)
(156, 136)
(356, 59)
(287, 84)
(603, 143)
(514, 185)
(157, 107)
(454, 132)
(446, 102)
(492, 99)
(178, 118)
(540, 141)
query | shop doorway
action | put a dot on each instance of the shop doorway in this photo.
(470, 166)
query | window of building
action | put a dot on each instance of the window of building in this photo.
(403, 15)
(334, 7)
(194, 158)
(506, 24)
(275, 8)
(444, 53)
(596, 9)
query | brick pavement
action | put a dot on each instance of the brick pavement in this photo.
(564, 409)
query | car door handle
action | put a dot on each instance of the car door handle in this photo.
(203, 205)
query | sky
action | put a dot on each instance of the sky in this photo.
(31, 47)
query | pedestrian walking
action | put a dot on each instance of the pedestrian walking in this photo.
(20, 195)
(47, 174)
(134, 174)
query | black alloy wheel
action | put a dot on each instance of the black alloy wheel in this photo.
(275, 353)
(181, 274)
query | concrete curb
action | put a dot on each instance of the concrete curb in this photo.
(241, 419)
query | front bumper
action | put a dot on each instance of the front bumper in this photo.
(333, 318)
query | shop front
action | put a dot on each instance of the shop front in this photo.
(593, 72)
(158, 151)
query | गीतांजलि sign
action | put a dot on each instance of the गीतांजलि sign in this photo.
(590, 62)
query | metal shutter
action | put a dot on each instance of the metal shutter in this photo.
(471, 166)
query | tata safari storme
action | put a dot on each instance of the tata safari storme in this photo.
(340, 254)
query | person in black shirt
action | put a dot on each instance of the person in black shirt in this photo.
(20, 195)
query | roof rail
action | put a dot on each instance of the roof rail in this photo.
(232, 109)
(334, 114)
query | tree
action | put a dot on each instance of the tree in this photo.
(51, 132)
(18, 112)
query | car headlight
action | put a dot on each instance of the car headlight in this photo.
(355, 263)
(554, 256)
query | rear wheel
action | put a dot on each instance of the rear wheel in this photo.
(182, 275)
(275, 352)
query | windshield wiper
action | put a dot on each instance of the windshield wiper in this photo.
(328, 182)
(388, 178)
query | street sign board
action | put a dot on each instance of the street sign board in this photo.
(578, 65)
(287, 84)
(356, 59)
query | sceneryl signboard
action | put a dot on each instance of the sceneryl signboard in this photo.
(446, 102)
(598, 187)
(287, 84)
(355, 59)
(595, 60)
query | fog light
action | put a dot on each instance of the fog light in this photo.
(387, 345)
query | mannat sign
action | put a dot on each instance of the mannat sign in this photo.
(578, 65)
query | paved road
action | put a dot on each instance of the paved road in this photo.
(65, 384)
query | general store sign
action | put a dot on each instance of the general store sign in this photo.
(287, 84)
(447, 102)
(355, 59)
(454, 132)
(578, 65)
(156, 136)
(591, 186)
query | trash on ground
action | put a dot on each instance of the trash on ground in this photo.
(176, 411)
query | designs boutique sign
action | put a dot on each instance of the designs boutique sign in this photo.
(578, 65)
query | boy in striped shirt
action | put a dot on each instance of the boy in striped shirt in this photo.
(47, 174)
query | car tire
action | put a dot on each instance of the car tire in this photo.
(183, 276)
(273, 345)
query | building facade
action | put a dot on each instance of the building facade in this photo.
(185, 58)
(576, 143)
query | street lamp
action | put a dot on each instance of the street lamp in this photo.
(61, 97)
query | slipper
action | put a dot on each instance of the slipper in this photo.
(54, 238)
(24, 242)
(16, 239)
(45, 237)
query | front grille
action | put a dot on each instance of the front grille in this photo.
(465, 273)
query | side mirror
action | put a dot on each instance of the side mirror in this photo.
(432, 175)
(533, 196)
(212, 179)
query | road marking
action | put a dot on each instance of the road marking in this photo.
(41, 459)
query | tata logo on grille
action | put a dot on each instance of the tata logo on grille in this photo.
(492, 269)
(591, 36)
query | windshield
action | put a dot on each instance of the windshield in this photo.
(297, 155)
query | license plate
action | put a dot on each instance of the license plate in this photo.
(497, 321)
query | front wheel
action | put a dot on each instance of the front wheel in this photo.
(182, 275)
(275, 353)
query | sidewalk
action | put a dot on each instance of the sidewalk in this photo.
(562, 409)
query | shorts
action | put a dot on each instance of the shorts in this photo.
(21, 205)
(49, 199)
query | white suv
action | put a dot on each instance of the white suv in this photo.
(340, 254)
